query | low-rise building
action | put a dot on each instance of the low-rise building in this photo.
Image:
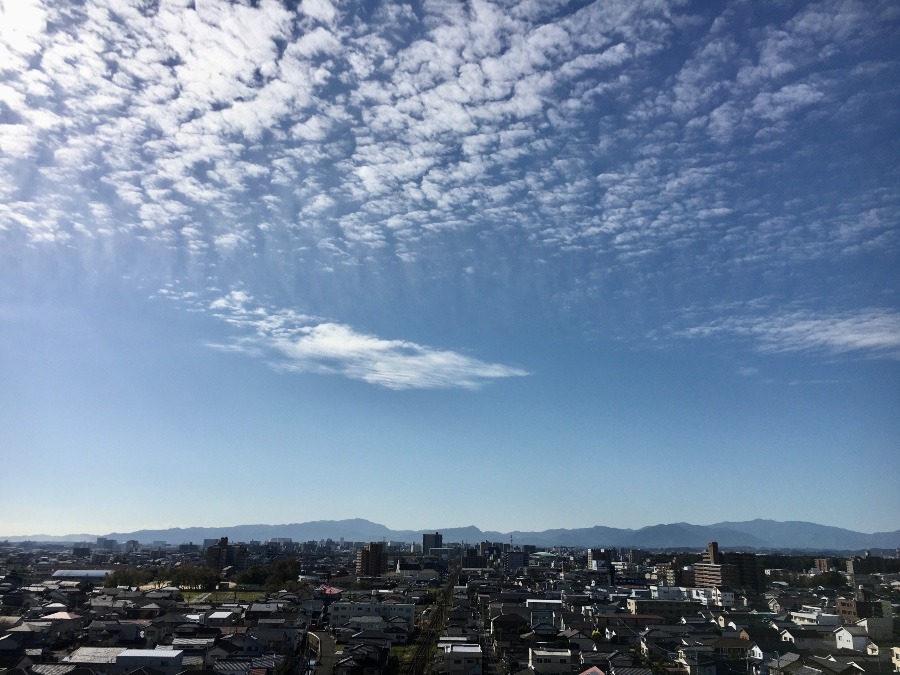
(340, 613)
(853, 638)
(550, 661)
(168, 662)
(462, 659)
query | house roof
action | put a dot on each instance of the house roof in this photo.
(81, 574)
(853, 630)
(52, 668)
(593, 670)
(61, 616)
(154, 653)
(99, 655)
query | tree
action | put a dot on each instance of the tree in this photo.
(126, 576)
(828, 580)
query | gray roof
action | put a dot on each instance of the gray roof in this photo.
(81, 574)
(52, 668)
(94, 655)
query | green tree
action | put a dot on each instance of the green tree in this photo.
(828, 580)
(126, 576)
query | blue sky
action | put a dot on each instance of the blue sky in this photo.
(518, 265)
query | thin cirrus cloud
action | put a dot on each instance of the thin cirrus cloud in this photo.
(873, 333)
(295, 342)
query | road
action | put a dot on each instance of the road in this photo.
(326, 655)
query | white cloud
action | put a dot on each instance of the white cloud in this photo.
(296, 342)
(872, 332)
(219, 131)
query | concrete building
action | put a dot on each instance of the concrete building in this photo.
(168, 662)
(223, 554)
(430, 541)
(371, 561)
(810, 615)
(551, 661)
(731, 570)
(668, 609)
(462, 659)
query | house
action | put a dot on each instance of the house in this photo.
(221, 618)
(881, 651)
(878, 628)
(168, 662)
(810, 615)
(276, 638)
(99, 659)
(242, 644)
(550, 660)
(247, 665)
(341, 612)
(591, 670)
(806, 638)
(731, 648)
(577, 639)
(462, 659)
(507, 626)
(853, 638)
(109, 633)
(361, 659)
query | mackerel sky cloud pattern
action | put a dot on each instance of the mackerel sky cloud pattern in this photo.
(217, 129)
(640, 228)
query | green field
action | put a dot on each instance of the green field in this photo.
(404, 654)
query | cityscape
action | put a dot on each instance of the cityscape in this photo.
(441, 607)
(449, 337)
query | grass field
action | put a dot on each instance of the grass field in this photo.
(404, 654)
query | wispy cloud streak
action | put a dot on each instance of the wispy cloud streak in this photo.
(873, 332)
(299, 343)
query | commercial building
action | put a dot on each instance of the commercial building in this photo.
(371, 560)
(223, 554)
(430, 541)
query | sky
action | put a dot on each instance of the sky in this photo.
(518, 265)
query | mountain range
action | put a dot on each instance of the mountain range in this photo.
(752, 534)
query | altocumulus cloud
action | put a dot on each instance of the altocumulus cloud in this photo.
(300, 343)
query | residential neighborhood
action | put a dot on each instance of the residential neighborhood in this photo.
(281, 607)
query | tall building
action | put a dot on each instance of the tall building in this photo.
(430, 541)
(750, 575)
(711, 571)
(712, 556)
(598, 558)
(513, 560)
(371, 560)
(224, 555)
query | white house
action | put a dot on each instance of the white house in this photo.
(550, 661)
(462, 659)
(165, 661)
(851, 637)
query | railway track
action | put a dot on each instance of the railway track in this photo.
(421, 661)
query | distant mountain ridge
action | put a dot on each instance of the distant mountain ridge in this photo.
(758, 534)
